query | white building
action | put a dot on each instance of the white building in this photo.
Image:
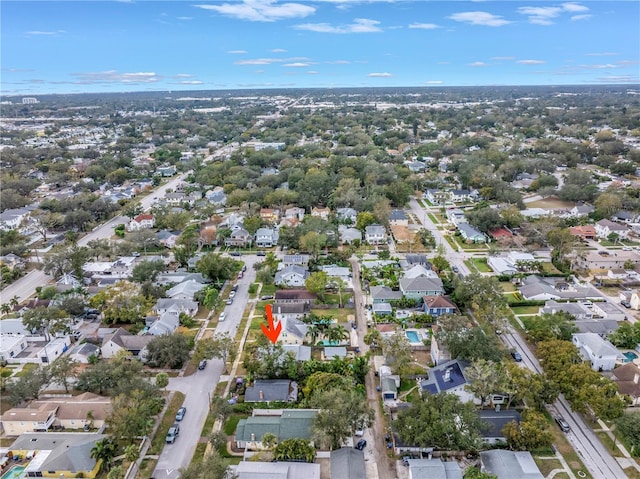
(598, 351)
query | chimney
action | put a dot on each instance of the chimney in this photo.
(253, 437)
(636, 378)
(261, 395)
(447, 375)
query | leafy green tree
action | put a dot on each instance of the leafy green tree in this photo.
(441, 421)
(170, 351)
(252, 224)
(131, 415)
(213, 466)
(220, 346)
(122, 302)
(628, 426)
(46, 320)
(146, 271)
(104, 451)
(475, 473)
(342, 413)
(397, 351)
(484, 378)
(531, 433)
(295, 450)
(217, 267)
(549, 326)
(626, 336)
(28, 385)
(317, 283)
(312, 243)
(162, 380)
(63, 370)
(364, 219)
(484, 296)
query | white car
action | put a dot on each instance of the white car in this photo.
(223, 316)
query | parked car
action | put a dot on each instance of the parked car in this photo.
(229, 301)
(244, 268)
(240, 275)
(516, 356)
(266, 297)
(261, 253)
(180, 414)
(234, 287)
(625, 303)
(455, 269)
(361, 444)
(232, 294)
(223, 316)
(236, 253)
(564, 425)
(174, 432)
(202, 364)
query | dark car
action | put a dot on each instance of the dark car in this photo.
(203, 364)
(234, 287)
(361, 444)
(564, 425)
(236, 253)
(261, 253)
(625, 303)
(516, 356)
(266, 297)
(180, 414)
(455, 269)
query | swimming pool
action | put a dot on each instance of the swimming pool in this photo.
(412, 336)
(16, 472)
(630, 355)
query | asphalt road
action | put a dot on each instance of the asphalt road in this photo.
(596, 458)
(199, 387)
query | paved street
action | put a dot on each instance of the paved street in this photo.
(199, 387)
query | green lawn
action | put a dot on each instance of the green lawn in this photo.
(525, 309)
(481, 265)
(508, 287)
(340, 315)
(433, 218)
(232, 422)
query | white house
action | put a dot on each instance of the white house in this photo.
(605, 227)
(185, 290)
(598, 351)
(375, 234)
(266, 237)
(11, 345)
(294, 276)
(141, 222)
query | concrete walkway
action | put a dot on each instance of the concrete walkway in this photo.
(627, 460)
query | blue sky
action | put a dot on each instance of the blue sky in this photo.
(110, 46)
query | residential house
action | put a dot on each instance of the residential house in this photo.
(171, 305)
(627, 378)
(439, 349)
(539, 288)
(123, 340)
(436, 197)
(269, 390)
(216, 196)
(506, 464)
(605, 227)
(434, 468)
(534, 213)
(417, 288)
(438, 305)
(347, 463)
(599, 262)
(511, 263)
(383, 294)
(607, 310)
(321, 212)
(177, 277)
(60, 454)
(282, 423)
(494, 421)
(389, 383)
(295, 213)
(270, 215)
(598, 351)
(580, 211)
(298, 351)
(294, 296)
(349, 235)
(463, 196)
(375, 234)
(12, 261)
(382, 309)
(74, 412)
(578, 310)
(84, 352)
(503, 234)
(601, 327)
(625, 216)
(456, 216)
(11, 345)
(185, 290)
(167, 238)
(166, 171)
(141, 222)
(415, 166)
(347, 214)
(12, 219)
(239, 237)
(277, 470)
(471, 234)
(447, 377)
(586, 232)
(292, 276)
(266, 237)
(413, 259)
(294, 331)
(283, 311)
(296, 259)
(398, 218)
(176, 198)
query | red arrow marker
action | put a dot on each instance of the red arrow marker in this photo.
(271, 331)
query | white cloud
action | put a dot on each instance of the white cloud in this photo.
(359, 25)
(380, 75)
(258, 61)
(434, 82)
(191, 82)
(184, 18)
(113, 76)
(261, 10)
(577, 18)
(530, 62)
(478, 64)
(44, 33)
(296, 65)
(278, 50)
(183, 75)
(312, 72)
(424, 26)
(602, 66)
(618, 79)
(574, 7)
(237, 52)
(340, 62)
(503, 59)
(480, 18)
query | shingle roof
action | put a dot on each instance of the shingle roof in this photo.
(347, 463)
(510, 464)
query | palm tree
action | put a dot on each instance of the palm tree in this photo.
(336, 334)
(104, 450)
(13, 302)
(5, 308)
(313, 331)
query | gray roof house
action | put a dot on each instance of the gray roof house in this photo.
(383, 294)
(277, 470)
(283, 423)
(63, 452)
(266, 237)
(187, 306)
(347, 463)
(375, 234)
(185, 290)
(600, 353)
(416, 288)
(434, 469)
(299, 352)
(296, 259)
(510, 464)
(268, 390)
(469, 233)
(292, 275)
(121, 339)
(164, 324)
(293, 331)
(494, 421)
(349, 235)
(347, 214)
(398, 217)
